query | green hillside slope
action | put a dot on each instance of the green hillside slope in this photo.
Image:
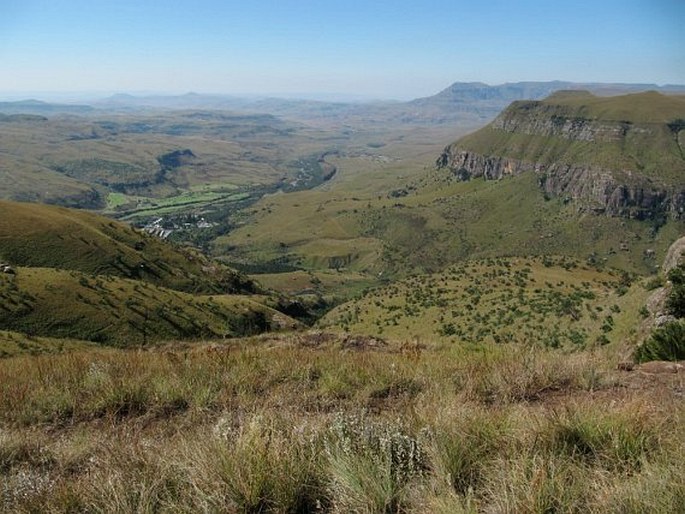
(596, 178)
(55, 237)
(552, 302)
(436, 222)
(105, 309)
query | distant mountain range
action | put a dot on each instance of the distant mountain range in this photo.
(486, 102)
(511, 91)
(43, 108)
(472, 103)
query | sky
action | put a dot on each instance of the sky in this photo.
(381, 49)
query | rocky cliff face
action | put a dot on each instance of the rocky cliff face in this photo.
(593, 189)
(616, 191)
(545, 122)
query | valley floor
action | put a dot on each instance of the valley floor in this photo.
(317, 422)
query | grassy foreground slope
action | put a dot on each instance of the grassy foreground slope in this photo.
(56, 237)
(311, 423)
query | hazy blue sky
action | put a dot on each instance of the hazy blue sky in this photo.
(379, 48)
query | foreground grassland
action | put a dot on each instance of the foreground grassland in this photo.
(321, 423)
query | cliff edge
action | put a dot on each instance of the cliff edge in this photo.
(619, 156)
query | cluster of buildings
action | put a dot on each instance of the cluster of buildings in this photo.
(159, 227)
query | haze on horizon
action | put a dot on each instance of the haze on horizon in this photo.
(397, 49)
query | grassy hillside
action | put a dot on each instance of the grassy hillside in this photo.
(318, 228)
(78, 275)
(68, 304)
(547, 302)
(387, 213)
(14, 344)
(480, 366)
(80, 161)
(409, 219)
(18, 182)
(55, 237)
(329, 285)
(646, 107)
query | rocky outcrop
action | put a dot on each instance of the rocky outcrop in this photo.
(467, 165)
(675, 255)
(593, 189)
(656, 304)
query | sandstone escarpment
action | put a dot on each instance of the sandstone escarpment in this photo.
(593, 189)
(548, 122)
(618, 167)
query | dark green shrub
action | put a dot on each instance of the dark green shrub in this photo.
(602, 340)
(667, 343)
(675, 303)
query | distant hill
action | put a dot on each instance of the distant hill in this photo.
(620, 155)
(79, 161)
(193, 101)
(511, 91)
(468, 103)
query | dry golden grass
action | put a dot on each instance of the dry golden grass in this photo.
(320, 423)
